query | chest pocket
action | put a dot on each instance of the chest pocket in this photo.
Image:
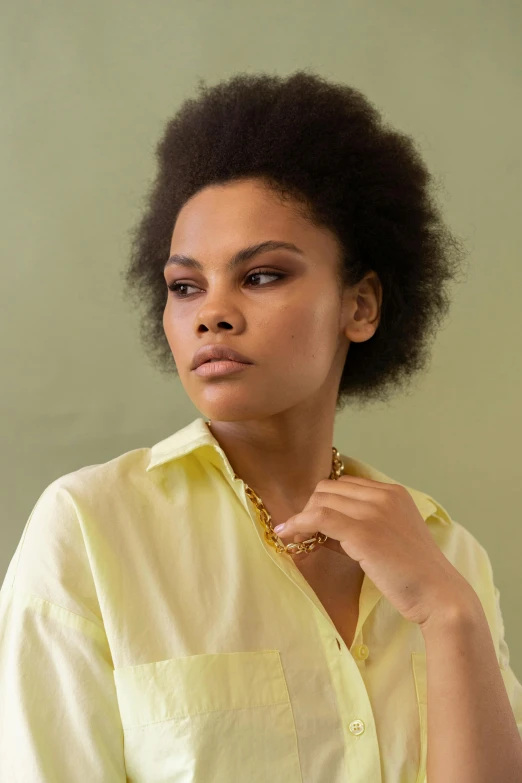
(214, 717)
(421, 688)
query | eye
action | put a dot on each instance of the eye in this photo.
(265, 273)
(176, 287)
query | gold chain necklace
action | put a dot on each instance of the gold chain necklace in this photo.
(265, 518)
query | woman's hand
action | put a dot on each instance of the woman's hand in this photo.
(378, 525)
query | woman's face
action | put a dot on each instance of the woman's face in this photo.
(295, 329)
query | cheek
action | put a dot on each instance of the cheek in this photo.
(304, 335)
(316, 325)
(167, 324)
(173, 331)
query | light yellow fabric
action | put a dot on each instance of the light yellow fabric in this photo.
(148, 633)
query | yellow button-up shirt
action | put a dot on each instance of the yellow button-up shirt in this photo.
(149, 633)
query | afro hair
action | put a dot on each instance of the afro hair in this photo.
(325, 145)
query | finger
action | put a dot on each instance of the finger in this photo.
(355, 508)
(333, 522)
(364, 482)
(348, 486)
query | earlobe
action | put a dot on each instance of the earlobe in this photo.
(362, 332)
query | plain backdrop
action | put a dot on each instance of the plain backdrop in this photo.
(86, 89)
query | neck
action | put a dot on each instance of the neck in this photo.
(282, 461)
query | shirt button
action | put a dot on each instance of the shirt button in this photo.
(356, 726)
(362, 652)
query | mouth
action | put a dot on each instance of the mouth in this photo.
(214, 367)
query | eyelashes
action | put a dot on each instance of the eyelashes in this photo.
(175, 287)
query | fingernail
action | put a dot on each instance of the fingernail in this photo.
(279, 528)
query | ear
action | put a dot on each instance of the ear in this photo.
(362, 308)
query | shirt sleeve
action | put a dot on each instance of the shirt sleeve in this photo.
(59, 716)
(513, 686)
(489, 594)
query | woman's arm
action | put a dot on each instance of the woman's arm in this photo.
(59, 712)
(472, 731)
(59, 717)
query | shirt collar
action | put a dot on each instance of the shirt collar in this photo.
(197, 434)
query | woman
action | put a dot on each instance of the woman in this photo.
(155, 625)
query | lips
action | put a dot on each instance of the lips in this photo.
(217, 352)
(223, 367)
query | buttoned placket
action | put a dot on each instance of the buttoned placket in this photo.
(346, 666)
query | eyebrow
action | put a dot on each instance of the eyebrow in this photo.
(238, 258)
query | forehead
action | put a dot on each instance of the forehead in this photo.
(240, 213)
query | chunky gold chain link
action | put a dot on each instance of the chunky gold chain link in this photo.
(273, 539)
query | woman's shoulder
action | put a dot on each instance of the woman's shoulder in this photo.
(65, 530)
(457, 541)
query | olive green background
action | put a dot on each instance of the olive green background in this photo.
(86, 88)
